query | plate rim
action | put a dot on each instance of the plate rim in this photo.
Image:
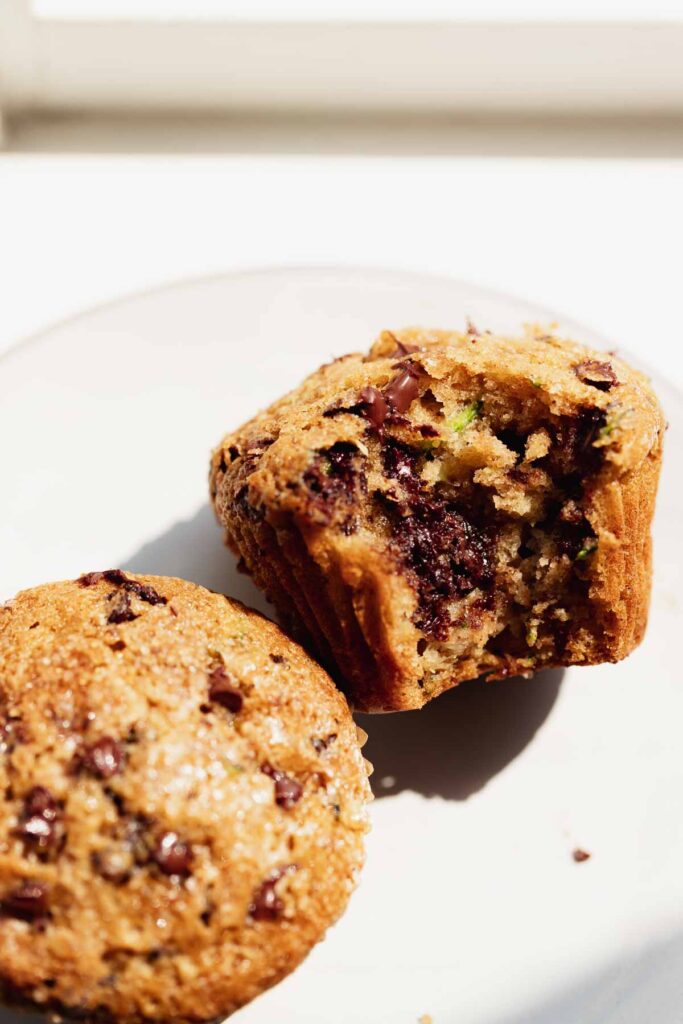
(296, 269)
(19, 345)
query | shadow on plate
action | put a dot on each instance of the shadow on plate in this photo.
(193, 549)
(454, 745)
(451, 748)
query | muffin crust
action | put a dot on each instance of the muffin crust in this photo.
(184, 801)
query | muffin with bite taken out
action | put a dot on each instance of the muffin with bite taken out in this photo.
(450, 505)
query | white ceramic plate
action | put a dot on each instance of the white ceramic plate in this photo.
(471, 908)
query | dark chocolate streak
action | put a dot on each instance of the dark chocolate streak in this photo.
(447, 554)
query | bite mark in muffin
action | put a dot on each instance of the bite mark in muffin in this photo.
(449, 506)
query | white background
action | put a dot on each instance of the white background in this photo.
(600, 239)
(365, 10)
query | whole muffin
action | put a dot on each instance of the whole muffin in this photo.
(185, 801)
(451, 505)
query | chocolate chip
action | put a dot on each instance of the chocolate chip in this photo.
(39, 818)
(118, 645)
(597, 375)
(115, 576)
(402, 463)
(37, 830)
(321, 743)
(404, 350)
(580, 856)
(145, 592)
(121, 609)
(373, 406)
(223, 692)
(447, 554)
(172, 854)
(403, 389)
(260, 444)
(333, 482)
(40, 800)
(104, 758)
(89, 579)
(572, 453)
(427, 430)
(266, 905)
(28, 901)
(394, 420)
(288, 791)
(277, 659)
(118, 578)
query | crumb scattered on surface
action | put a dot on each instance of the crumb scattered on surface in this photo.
(387, 781)
(580, 855)
(426, 1018)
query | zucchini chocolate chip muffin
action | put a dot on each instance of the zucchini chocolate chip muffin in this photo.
(451, 505)
(184, 801)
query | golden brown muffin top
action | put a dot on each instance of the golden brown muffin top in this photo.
(538, 368)
(185, 800)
